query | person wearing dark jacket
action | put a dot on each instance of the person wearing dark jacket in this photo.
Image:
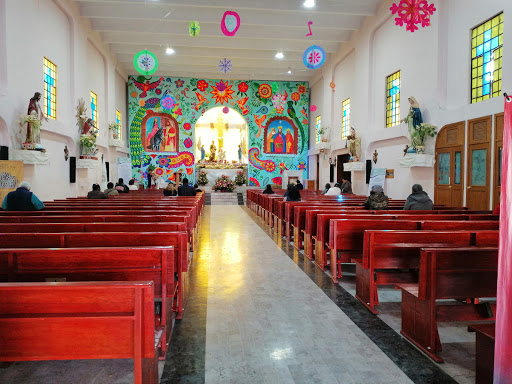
(268, 190)
(418, 200)
(377, 199)
(293, 194)
(170, 190)
(96, 193)
(346, 186)
(121, 187)
(22, 199)
(299, 185)
(185, 189)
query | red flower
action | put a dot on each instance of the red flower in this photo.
(243, 87)
(202, 85)
(302, 89)
(187, 126)
(295, 96)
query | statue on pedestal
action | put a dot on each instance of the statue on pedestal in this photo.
(239, 153)
(222, 155)
(87, 128)
(34, 119)
(203, 153)
(213, 151)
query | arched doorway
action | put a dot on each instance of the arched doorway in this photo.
(227, 131)
(449, 172)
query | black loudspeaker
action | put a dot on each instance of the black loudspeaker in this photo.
(107, 167)
(4, 152)
(368, 171)
(72, 169)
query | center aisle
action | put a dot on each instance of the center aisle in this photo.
(268, 322)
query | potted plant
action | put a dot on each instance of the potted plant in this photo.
(419, 135)
(114, 128)
(202, 179)
(224, 184)
(323, 132)
(240, 178)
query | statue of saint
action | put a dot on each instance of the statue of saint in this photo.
(239, 153)
(33, 133)
(222, 154)
(203, 153)
(414, 117)
(213, 150)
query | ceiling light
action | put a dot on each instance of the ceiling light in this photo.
(289, 71)
(170, 51)
(279, 55)
(309, 3)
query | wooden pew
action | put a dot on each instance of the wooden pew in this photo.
(485, 340)
(90, 227)
(69, 321)
(386, 253)
(448, 274)
(178, 240)
(158, 264)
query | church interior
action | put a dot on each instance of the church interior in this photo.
(265, 271)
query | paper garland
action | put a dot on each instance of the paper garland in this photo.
(413, 12)
(314, 57)
(145, 62)
(230, 23)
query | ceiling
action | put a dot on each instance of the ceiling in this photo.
(267, 26)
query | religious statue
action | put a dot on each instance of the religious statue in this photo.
(239, 153)
(354, 144)
(414, 117)
(213, 150)
(35, 117)
(222, 154)
(203, 153)
(87, 128)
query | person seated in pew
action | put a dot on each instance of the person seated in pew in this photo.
(110, 191)
(293, 194)
(132, 186)
(418, 200)
(377, 199)
(268, 190)
(327, 187)
(185, 189)
(196, 187)
(334, 191)
(121, 186)
(170, 190)
(96, 193)
(22, 199)
(299, 185)
(346, 186)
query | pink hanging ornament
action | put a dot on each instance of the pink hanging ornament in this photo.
(413, 12)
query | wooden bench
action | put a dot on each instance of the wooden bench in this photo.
(158, 264)
(69, 321)
(444, 274)
(485, 340)
(387, 253)
(178, 240)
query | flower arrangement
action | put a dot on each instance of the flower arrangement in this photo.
(88, 141)
(114, 128)
(34, 122)
(224, 183)
(323, 132)
(202, 179)
(240, 178)
(420, 133)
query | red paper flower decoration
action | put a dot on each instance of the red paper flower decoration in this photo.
(187, 126)
(413, 12)
(243, 87)
(202, 85)
(313, 108)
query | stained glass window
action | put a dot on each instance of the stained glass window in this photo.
(345, 118)
(94, 108)
(318, 125)
(50, 89)
(486, 59)
(393, 99)
(119, 122)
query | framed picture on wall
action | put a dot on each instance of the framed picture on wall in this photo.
(390, 173)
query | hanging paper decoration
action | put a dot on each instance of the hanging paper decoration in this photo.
(194, 28)
(225, 65)
(145, 62)
(314, 57)
(333, 85)
(230, 23)
(225, 110)
(313, 108)
(413, 12)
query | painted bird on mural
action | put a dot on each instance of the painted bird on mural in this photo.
(147, 86)
(293, 115)
(259, 122)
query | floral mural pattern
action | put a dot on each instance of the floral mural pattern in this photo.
(185, 100)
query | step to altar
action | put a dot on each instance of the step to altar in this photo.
(225, 198)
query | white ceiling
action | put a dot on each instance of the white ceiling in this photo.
(267, 26)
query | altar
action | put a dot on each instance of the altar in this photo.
(214, 174)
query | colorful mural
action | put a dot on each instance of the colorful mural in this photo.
(162, 119)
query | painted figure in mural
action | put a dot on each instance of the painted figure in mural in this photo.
(270, 141)
(414, 117)
(156, 136)
(239, 153)
(279, 141)
(203, 153)
(213, 150)
(170, 134)
(289, 141)
(33, 135)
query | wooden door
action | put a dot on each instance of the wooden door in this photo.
(449, 171)
(341, 174)
(479, 163)
(498, 147)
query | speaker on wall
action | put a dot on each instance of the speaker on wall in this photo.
(107, 167)
(4, 152)
(72, 169)
(368, 171)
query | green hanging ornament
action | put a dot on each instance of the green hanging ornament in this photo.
(194, 28)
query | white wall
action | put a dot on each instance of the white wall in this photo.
(435, 68)
(54, 29)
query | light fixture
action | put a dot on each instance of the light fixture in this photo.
(289, 72)
(279, 55)
(332, 160)
(169, 51)
(309, 3)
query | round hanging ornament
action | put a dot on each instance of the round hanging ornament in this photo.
(145, 62)
(314, 57)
